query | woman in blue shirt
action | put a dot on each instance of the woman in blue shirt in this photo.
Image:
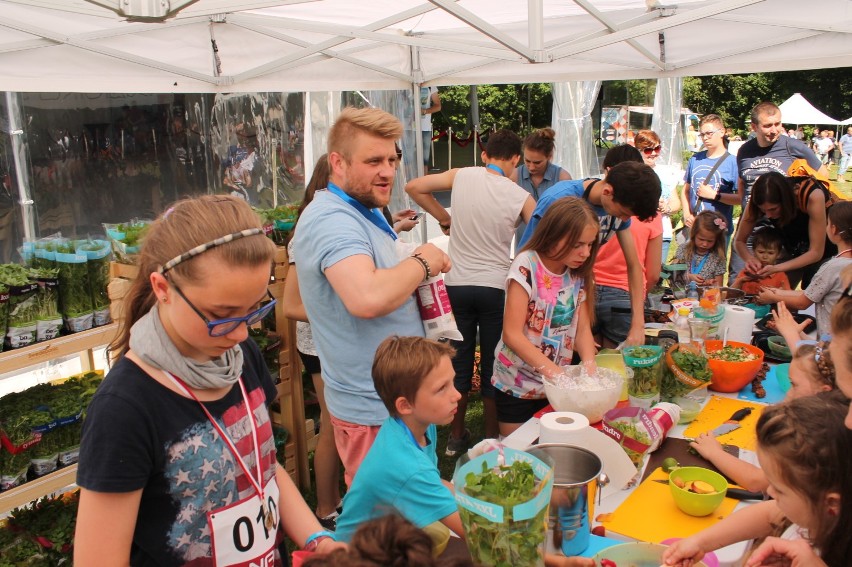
(538, 174)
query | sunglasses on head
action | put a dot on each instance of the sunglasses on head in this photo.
(652, 150)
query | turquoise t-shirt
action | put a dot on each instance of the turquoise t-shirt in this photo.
(397, 475)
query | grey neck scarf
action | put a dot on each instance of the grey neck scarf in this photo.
(149, 340)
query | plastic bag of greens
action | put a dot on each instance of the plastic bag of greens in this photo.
(13, 469)
(686, 370)
(503, 498)
(98, 253)
(646, 362)
(48, 317)
(68, 443)
(126, 238)
(44, 455)
(75, 295)
(21, 307)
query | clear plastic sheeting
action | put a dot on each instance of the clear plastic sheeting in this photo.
(321, 110)
(667, 122)
(572, 120)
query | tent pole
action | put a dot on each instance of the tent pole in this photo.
(20, 155)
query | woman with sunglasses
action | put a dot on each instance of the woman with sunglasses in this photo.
(648, 144)
(177, 463)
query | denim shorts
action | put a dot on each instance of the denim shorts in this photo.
(614, 325)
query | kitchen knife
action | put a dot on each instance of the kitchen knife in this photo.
(732, 423)
(735, 493)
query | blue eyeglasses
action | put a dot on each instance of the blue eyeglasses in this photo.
(221, 327)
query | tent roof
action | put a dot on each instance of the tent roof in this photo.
(298, 45)
(797, 110)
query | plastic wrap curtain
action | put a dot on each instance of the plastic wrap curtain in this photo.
(667, 122)
(572, 121)
(321, 110)
(20, 158)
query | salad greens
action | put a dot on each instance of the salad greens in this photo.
(690, 363)
(21, 307)
(98, 254)
(633, 432)
(512, 543)
(647, 366)
(74, 289)
(730, 353)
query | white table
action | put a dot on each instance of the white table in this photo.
(730, 556)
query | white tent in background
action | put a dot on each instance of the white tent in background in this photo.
(847, 121)
(797, 110)
(227, 46)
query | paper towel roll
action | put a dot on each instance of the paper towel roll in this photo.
(562, 427)
(739, 322)
(571, 428)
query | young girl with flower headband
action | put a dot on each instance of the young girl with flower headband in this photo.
(177, 462)
(704, 253)
(552, 278)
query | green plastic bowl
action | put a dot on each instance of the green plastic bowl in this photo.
(636, 553)
(760, 311)
(778, 346)
(698, 504)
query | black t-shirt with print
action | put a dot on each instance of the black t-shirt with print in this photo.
(138, 434)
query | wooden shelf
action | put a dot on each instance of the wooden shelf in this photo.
(63, 346)
(35, 489)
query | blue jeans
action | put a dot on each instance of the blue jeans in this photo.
(612, 324)
(844, 164)
(427, 147)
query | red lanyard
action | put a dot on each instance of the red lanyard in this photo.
(256, 483)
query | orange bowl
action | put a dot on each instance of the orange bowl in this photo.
(732, 376)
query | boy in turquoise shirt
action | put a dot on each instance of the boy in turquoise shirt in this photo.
(414, 378)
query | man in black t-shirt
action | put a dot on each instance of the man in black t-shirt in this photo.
(767, 151)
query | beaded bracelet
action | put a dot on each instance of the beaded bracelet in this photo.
(424, 263)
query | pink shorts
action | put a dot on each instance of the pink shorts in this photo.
(353, 441)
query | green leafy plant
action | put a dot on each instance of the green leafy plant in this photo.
(511, 543)
(74, 287)
(646, 378)
(50, 522)
(690, 363)
(98, 253)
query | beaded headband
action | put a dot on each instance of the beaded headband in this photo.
(207, 246)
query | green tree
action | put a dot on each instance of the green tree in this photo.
(517, 107)
(730, 96)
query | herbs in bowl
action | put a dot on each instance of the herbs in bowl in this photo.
(733, 365)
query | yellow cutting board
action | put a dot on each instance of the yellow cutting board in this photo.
(717, 411)
(650, 513)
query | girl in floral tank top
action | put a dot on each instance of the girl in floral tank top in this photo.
(548, 314)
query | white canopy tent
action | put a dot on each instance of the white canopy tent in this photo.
(321, 45)
(797, 110)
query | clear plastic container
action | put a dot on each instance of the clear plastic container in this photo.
(682, 325)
